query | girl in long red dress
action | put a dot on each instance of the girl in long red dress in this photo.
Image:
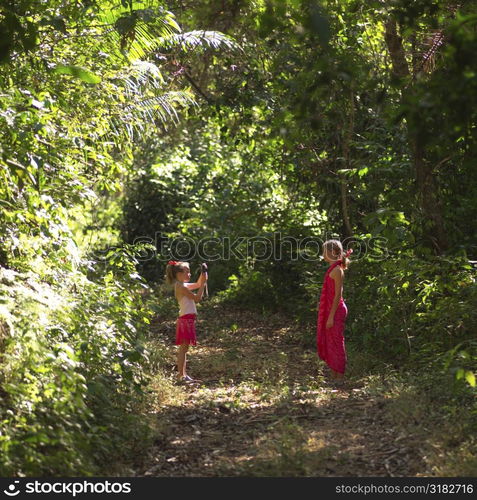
(332, 310)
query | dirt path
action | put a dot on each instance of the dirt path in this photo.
(263, 407)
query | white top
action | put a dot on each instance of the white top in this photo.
(187, 305)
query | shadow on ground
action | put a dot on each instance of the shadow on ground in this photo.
(264, 407)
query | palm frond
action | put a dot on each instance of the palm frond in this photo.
(430, 42)
(431, 46)
(134, 35)
(164, 104)
(160, 109)
(139, 88)
(138, 34)
(195, 39)
(141, 76)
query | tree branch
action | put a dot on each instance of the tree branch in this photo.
(197, 88)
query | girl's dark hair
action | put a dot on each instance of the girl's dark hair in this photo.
(335, 248)
(172, 269)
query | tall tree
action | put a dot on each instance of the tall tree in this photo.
(426, 182)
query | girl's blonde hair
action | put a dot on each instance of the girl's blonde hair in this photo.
(335, 248)
(173, 267)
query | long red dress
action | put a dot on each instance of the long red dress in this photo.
(330, 341)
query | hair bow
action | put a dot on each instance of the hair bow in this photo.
(172, 263)
(349, 252)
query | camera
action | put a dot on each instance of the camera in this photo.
(203, 267)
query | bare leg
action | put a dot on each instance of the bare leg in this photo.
(181, 360)
(337, 375)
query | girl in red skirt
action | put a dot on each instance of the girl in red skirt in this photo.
(332, 310)
(178, 274)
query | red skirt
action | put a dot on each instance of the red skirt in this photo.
(185, 329)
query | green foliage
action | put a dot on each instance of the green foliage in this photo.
(74, 98)
(72, 352)
(253, 290)
(307, 130)
(77, 72)
(422, 309)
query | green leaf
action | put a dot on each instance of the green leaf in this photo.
(77, 72)
(363, 171)
(470, 378)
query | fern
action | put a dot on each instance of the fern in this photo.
(136, 33)
(140, 76)
(139, 33)
(140, 112)
(164, 105)
(197, 39)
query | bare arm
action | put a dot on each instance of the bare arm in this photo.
(194, 286)
(196, 297)
(337, 275)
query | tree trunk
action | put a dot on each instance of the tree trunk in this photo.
(433, 231)
(347, 161)
(396, 49)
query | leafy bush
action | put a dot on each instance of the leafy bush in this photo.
(400, 309)
(72, 368)
(403, 304)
